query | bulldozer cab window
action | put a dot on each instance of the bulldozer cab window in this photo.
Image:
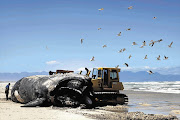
(105, 77)
(95, 73)
(99, 73)
(113, 75)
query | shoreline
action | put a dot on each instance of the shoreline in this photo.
(153, 102)
(141, 105)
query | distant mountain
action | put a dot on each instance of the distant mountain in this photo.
(17, 76)
(125, 76)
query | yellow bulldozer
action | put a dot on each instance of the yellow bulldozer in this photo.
(106, 85)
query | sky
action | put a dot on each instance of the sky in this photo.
(44, 35)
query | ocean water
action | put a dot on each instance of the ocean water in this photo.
(162, 87)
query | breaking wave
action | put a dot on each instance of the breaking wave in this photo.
(163, 87)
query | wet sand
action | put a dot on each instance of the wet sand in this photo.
(153, 102)
(142, 105)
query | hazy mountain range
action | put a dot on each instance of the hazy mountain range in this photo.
(125, 76)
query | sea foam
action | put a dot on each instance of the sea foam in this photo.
(163, 87)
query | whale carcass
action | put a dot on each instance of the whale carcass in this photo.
(59, 90)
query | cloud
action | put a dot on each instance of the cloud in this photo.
(83, 69)
(53, 62)
(146, 67)
(74, 65)
(168, 70)
(80, 69)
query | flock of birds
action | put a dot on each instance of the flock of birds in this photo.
(152, 43)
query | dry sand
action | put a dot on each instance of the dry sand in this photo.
(12, 111)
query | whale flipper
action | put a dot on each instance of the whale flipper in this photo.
(34, 103)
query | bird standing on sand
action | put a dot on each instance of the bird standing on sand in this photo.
(131, 7)
(158, 58)
(92, 59)
(119, 34)
(165, 57)
(145, 57)
(130, 56)
(150, 72)
(126, 64)
(170, 45)
(81, 40)
(134, 43)
(99, 28)
(104, 46)
(101, 9)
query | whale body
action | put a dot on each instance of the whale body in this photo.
(68, 89)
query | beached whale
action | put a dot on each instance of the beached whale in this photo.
(60, 90)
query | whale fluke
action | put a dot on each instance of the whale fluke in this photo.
(34, 103)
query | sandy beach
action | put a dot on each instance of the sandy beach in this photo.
(13, 111)
(142, 105)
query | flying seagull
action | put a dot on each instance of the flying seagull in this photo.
(99, 28)
(158, 58)
(134, 43)
(150, 72)
(104, 46)
(82, 41)
(145, 57)
(165, 57)
(117, 66)
(130, 56)
(128, 29)
(152, 43)
(131, 7)
(170, 45)
(144, 43)
(126, 64)
(92, 59)
(119, 34)
(141, 46)
(120, 51)
(124, 49)
(101, 9)
(154, 17)
(160, 40)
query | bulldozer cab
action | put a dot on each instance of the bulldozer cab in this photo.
(106, 79)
